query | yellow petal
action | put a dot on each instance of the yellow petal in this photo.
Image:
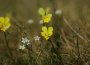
(49, 15)
(46, 37)
(3, 29)
(1, 19)
(50, 31)
(50, 28)
(6, 24)
(47, 10)
(41, 11)
(47, 18)
(42, 33)
(44, 29)
(7, 19)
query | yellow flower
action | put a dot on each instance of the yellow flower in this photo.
(46, 16)
(4, 23)
(47, 32)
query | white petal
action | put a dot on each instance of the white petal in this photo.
(41, 22)
(58, 12)
(30, 21)
(22, 47)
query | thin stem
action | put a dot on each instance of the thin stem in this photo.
(78, 48)
(9, 50)
(68, 24)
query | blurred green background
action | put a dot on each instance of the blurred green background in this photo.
(72, 41)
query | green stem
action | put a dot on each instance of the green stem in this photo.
(8, 48)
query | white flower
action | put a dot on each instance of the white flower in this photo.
(25, 41)
(30, 21)
(41, 22)
(37, 38)
(21, 47)
(58, 12)
(28, 43)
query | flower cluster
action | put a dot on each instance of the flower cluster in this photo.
(25, 42)
(37, 38)
(46, 17)
(4, 23)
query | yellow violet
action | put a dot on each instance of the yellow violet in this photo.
(47, 32)
(4, 23)
(46, 16)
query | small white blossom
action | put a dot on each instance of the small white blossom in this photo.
(28, 43)
(21, 47)
(58, 12)
(41, 22)
(37, 38)
(25, 41)
(30, 21)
